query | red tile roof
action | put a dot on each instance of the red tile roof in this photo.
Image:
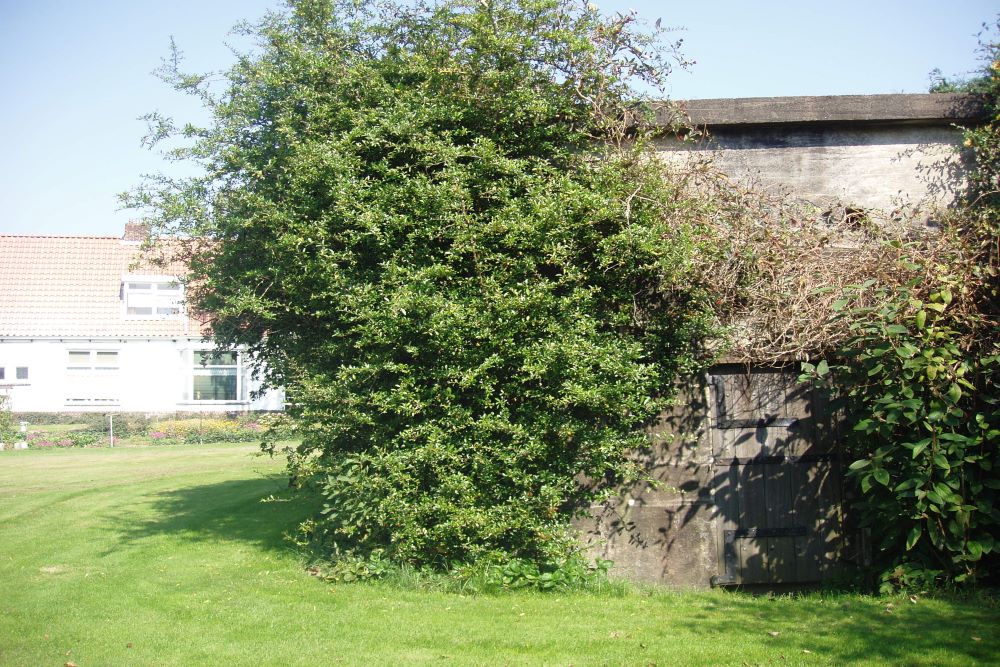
(55, 286)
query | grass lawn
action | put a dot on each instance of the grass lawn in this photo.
(168, 556)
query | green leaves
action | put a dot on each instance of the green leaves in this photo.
(923, 466)
(441, 230)
(922, 382)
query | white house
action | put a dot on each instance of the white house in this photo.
(87, 325)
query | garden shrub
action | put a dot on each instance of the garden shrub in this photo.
(920, 374)
(443, 229)
(142, 428)
(925, 413)
(237, 427)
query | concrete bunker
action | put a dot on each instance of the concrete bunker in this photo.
(745, 483)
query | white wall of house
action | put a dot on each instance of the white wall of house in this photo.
(128, 375)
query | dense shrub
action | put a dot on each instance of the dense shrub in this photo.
(442, 228)
(69, 439)
(126, 424)
(8, 424)
(207, 429)
(921, 379)
(925, 412)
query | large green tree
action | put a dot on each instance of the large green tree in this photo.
(441, 228)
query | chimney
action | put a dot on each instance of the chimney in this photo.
(135, 232)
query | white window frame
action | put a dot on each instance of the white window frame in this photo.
(95, 371)
(198, 369)
(10, 375)
(157, 293)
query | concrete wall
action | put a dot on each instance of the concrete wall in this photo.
(879, 153)
(892, 156)
(153, 376)
(884, 168)
(667, 530)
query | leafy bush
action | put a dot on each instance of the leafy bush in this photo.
(136, 428)
(925, 412)
(8, 425)
(921, 374)
(272, 427)
(65, 439)
(443, 229)
(84, 438)
(47, 418)
(126, 424)
(195, 430)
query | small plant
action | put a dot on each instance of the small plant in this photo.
(8, 426)
(197, 430)
(68, 439)
(126, 424)
(349, 569)
(84, 438)
(572, 573)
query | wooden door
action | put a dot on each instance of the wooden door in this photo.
(776, 479)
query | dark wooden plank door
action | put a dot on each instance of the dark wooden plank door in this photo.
(775, 477)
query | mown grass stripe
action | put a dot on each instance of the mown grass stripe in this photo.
(166, 556)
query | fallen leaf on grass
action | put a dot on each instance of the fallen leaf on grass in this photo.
(70, 664)
(774, 633)
(805, 650)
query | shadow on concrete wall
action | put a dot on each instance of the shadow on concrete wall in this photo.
(743, 488)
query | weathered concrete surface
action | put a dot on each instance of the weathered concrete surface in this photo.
(665, 530)
(743, 468)
(855, 109)
(742, 502)
(666, 542)
(889, 155)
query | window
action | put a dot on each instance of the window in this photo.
(17, 375)
(92, 377)
(216, 376)
(155, 297)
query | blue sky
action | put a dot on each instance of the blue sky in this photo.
(76, 75)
